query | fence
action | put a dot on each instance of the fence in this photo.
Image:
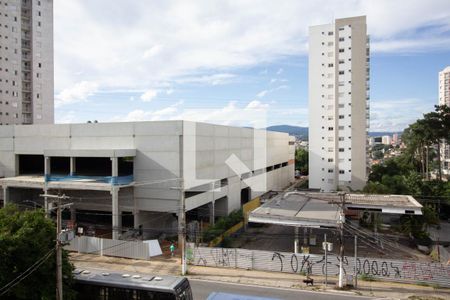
(444, 255)
(107, 247)
(384, 269)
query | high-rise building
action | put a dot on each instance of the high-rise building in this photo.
(444, 99)
(338, 104)
(26, 62)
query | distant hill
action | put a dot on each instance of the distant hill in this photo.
(292, 130)
(303, 131)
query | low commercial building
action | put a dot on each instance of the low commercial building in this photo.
(133, 175)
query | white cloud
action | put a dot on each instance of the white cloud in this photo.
(76, 93)
(397, 114)
(265, 92)
(257, 105)
(214, 79)
(253, 114)
(68, 117)
(153, 51)
(262, 93)
(152, 115)
(149, 41)
(149, 95)
(280, 70)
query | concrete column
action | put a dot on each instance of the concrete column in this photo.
(115, 213)
(211, 213)
(136, 217)
(5, 195)
(72, 166)
(296, 241)
(47, 167)
(115, 169)
(73, 214)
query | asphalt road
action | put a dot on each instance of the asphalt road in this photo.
(201, 289)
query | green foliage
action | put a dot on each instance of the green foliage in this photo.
(222, 225)
(377, 154)
(301, 161)
(417, 225)
(25, 237)
(366, 277)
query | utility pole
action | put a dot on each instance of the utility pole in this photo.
(182, 209)
(341, 234)
(326, 260)
(59, 206)
(356, 260)
(182, 228)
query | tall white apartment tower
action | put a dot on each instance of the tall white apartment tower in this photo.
(444, 99)
(26, 62)
(338, 104)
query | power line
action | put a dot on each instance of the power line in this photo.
(26, 273)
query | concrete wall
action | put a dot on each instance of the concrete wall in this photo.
(206, 150)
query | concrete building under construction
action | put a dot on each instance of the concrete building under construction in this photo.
(132, 175)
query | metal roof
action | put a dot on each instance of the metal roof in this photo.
(312, 209)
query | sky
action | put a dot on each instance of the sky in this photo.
(213, 61)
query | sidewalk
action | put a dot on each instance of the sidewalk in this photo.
(171, 266)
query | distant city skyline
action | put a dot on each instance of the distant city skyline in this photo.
(154, 61)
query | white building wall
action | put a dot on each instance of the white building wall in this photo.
(338, 95)
(26, 63)
(444, 99)
(206, 150)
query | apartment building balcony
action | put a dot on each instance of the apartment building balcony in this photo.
(26, 44)
(26, 25)
(26, 35)
(26, 67)
(26, 56)
(27, 118)
(26, 78)
(26, 88)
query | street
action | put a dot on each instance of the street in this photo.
(202, 288)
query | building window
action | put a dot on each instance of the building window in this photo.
(341, 116)
(330, 128)
(341, 138)
(330, 170)
(330, 160)
(341, 171)
(341, 149)
(341, 72)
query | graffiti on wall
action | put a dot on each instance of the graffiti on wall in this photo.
(396, 270)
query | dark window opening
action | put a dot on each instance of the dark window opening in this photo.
(245, 195)
(31, 164)
(268, 169)
(60, 165)
(127, 219)
(125, 166)
(93, 166)
(224, 182)
(284, 164)
(192, 194)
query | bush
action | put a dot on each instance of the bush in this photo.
(222, 225)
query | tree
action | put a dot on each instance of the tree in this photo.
(26, 237)
(301, 161)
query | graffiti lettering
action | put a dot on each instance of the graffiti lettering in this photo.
(407, 271)
(280, 257)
